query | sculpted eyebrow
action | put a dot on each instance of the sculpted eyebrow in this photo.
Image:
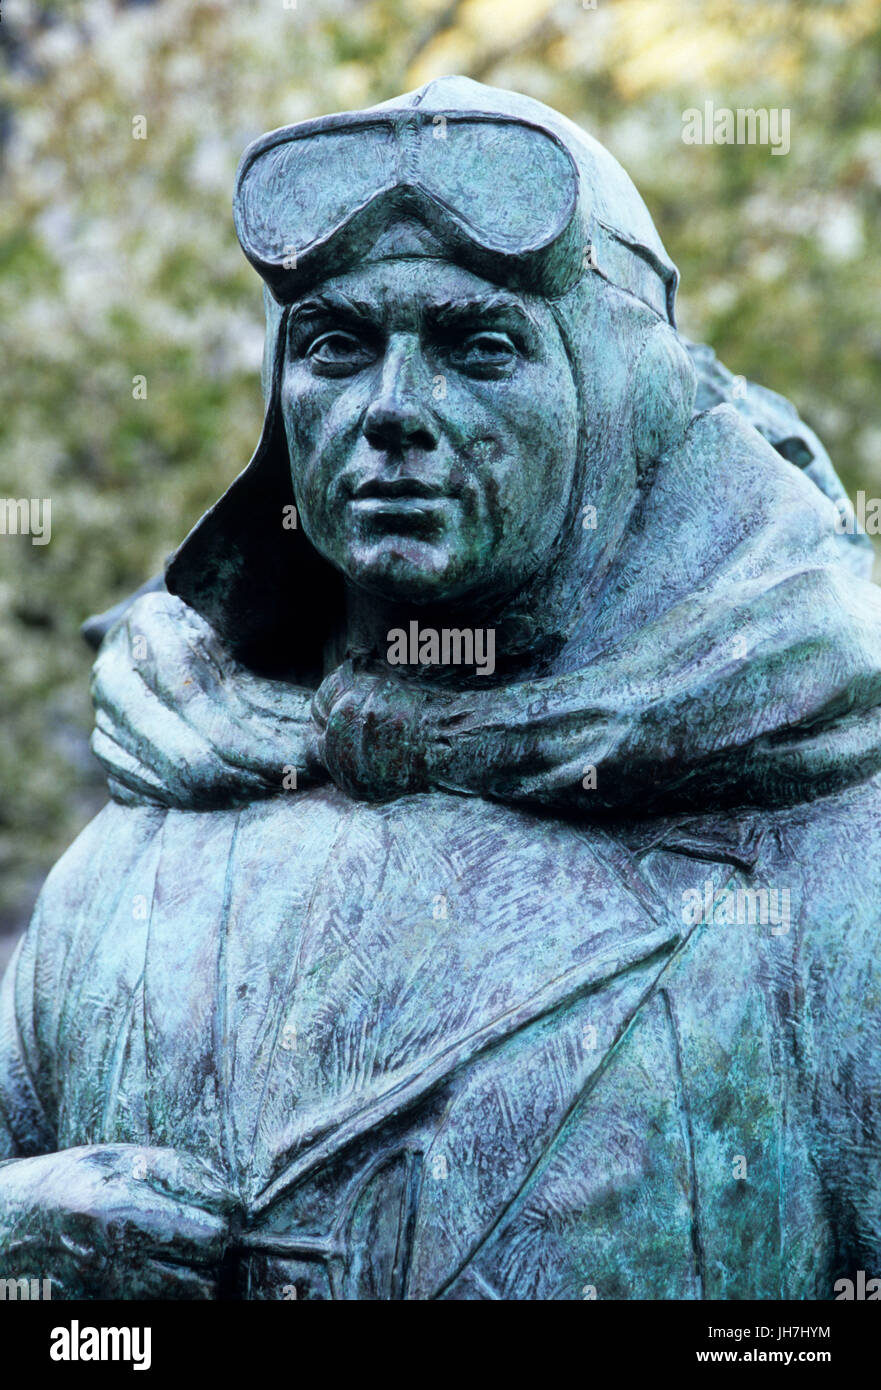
(331, 305)
(445, 314)
(454, 311)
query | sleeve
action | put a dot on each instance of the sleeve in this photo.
(70, 913)
(840, 1040)
(25, 1127)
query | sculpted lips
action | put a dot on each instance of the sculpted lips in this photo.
(396, 487)
(397, 499)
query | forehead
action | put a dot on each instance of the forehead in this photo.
(406, 289)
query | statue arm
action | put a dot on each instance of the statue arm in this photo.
(25, 1127)
(841, 1035)
(102, 1220)
(37, 988)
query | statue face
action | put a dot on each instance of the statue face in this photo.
(431, 420)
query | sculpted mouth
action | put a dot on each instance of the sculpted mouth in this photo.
(396, 489)
(401, 506)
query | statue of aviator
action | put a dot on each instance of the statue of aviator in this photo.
(388, 973)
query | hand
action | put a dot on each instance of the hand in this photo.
(114, 1221)
(179, 723)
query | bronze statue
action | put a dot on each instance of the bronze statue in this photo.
(487, 905)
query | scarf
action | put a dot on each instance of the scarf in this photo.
(730, 657)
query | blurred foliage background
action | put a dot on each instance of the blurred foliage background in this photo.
(118, 258)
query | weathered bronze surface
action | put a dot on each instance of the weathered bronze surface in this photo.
(487, 907)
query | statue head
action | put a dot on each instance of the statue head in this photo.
(470, 345)
(476, 400)
(432, 419)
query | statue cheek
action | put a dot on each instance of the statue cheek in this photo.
(317, 445)
(544, 416)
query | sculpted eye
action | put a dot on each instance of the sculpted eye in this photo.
(484, 353)
(337, 352)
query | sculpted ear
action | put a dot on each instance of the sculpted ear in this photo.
(665, 384)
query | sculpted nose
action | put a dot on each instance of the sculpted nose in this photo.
(401, 416)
